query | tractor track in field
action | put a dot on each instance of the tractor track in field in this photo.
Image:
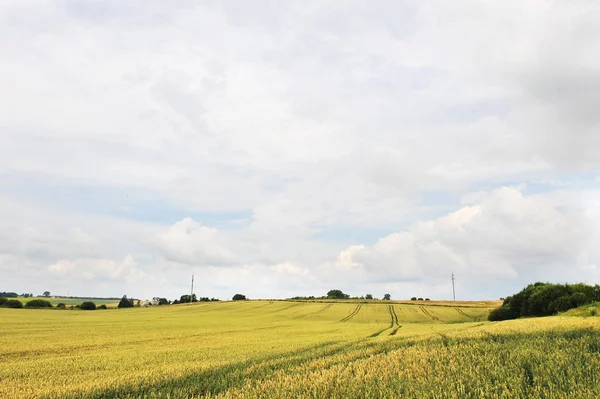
(479, 316)
(474, 318)
(395, 330)
(286, 308)
(426, 312)
(393, 322)
(461, 312)
(392, 310)
(324, 309)
(393, 315)
(351, 315)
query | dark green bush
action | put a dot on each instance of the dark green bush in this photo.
(61, 306)
(13, 303)
(38, 303)
(544, 299)
(103, 306)
(88, 306)
(2, 300)
(414, 298)
(125, 302)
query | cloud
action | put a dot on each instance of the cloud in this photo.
(189, 242)
(99, 269)
(503, 235)
(289, 268)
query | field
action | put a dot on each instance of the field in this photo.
(278, 349)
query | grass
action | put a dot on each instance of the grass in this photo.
(283, 349)
(592, 309)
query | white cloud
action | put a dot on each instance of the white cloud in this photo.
(504, 235)
(100, 269)
(188, 241)
(289, 268)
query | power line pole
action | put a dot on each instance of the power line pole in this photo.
(192, 292)
(453, 291)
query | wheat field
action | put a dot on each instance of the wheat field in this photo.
(280, 349)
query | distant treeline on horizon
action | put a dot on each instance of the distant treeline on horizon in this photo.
(15, 295)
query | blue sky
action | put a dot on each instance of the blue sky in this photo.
(288, 148)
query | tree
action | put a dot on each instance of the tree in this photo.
(61, 306)
(46, 294)
(125, 302)
(186, 298)
(368, 296)
(88, 306)
(387, 297)
(420, 299)
(163, 301)
(239, 297)
(337, 294)
(38, 303)
(103, 306)
(414, 298)
(544, 299)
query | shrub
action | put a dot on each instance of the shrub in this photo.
(239, 297)
(501, 313)
(414, 298)
(125, 302)
(88, 306)
(14, 304)
(38, 303)
(61, 306)
(163, 301)
(427, 299)
(544, 299)
(420, 299)
(2, 300)
(368, 296)
(387, 297)
(103, 306)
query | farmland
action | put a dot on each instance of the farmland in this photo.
(285, 349)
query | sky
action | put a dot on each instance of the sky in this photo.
(278, 149)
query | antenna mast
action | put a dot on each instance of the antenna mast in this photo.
(453, 291)
(192, 292)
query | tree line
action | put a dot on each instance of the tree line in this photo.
(545, 299)
(339, 294)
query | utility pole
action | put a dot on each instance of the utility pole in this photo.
(453, 292)
(192, 292)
